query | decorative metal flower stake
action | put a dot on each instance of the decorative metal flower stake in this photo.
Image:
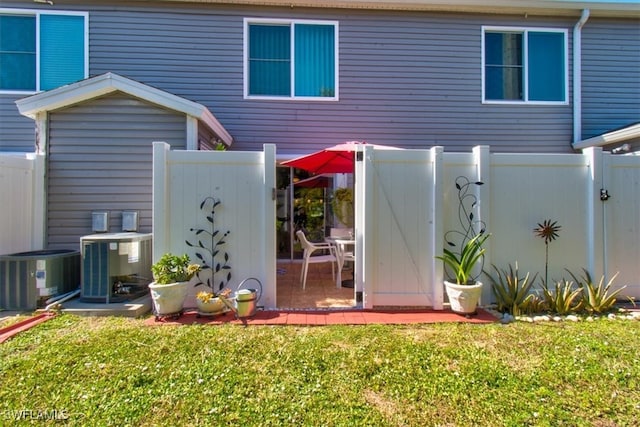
(548, 231)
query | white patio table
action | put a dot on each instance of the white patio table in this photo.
(342, 243)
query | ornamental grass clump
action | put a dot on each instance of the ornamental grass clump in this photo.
(512, 292)
(564, 298)
(598, 298)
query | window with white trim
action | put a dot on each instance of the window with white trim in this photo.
(524, 65)
(290, 59)
(41, 50)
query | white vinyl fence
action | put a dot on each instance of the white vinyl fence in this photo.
(244, 183)
(406, 201)
(620, 217)
(601, 235)
(21, 185)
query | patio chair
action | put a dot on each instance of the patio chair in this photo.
(309, 248)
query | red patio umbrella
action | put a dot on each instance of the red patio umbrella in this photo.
(318, 181)
(336, 159)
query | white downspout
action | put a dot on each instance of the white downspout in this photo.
(577, 76)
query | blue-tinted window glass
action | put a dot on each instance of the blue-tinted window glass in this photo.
(61, 50)
(269, 60)
(503, 66)
(546, 66)
(17, 52)
(314, 60)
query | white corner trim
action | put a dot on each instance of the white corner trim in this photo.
(192, 133)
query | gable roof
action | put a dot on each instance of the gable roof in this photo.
(110, 82)
(598, 8)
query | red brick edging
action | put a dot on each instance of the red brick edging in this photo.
(16, 328)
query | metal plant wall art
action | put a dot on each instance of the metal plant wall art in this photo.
(548, 231)
(209, 249)
(472, 230)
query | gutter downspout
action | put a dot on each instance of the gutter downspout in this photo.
(577, 76)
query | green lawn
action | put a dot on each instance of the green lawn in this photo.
(117, 371)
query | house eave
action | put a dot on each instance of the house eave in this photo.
(614, 137)
(529, 7)
(109, 82)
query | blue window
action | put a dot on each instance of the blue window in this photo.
(290, 59)
(524, 65)
(41, 51)
(17, 52)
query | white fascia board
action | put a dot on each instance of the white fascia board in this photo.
(109, 82)
(621, 8)
(100, 85)
(209, 119)
(62, 97)
(613, 137)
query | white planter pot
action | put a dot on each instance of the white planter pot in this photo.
(168, 299)
(214, 306)
(463, 298)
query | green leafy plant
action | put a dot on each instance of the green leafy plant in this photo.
(564, 298)
(533, 304)
(470, 237)
(173, 268)
(463, 263)
(209, 245)
(342, 204)
(596, 298)
(548, 231)
(511, 291)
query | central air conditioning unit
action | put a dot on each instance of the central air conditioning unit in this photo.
(116, 267)
(27, 279)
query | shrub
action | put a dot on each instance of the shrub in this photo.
(534, 304)
(511, 291)
(596, 298)
(564, 299)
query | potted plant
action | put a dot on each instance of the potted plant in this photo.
(210, 303)
(342, 204)
(215, 261)
(464, 266)
(465, 293)
(171, 275)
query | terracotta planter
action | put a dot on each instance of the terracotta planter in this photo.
(463, 298)
(168, 299)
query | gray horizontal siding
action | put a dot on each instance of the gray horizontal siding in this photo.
(100, 158)
(16, 131)
(611, 76)
(410, 79)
